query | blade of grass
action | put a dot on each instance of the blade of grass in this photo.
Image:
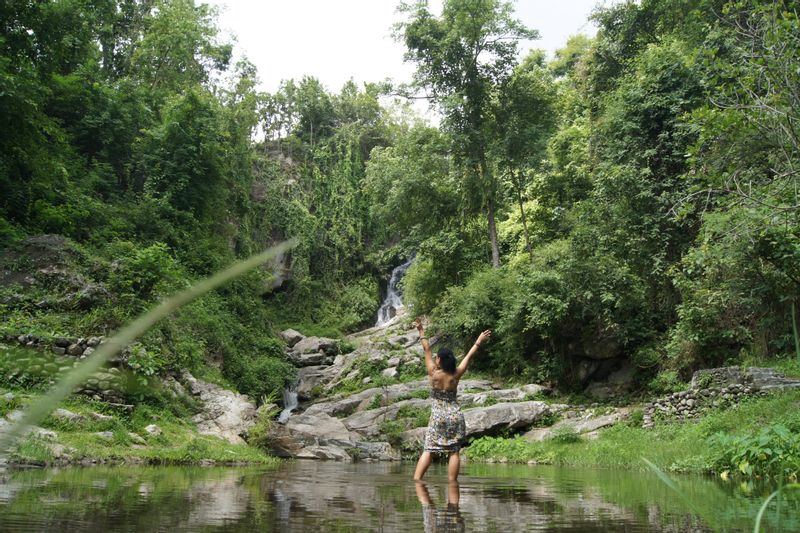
(709, 519)
(40, 408)
(760, 515)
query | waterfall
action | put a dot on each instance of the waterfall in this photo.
(392, 303)
(289, 403)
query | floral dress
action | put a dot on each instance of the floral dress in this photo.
(446, 427)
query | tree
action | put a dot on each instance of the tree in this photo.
(525, 120)
(461, 58)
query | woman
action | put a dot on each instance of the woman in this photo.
(446, 426)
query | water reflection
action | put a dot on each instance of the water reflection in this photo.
(447, 520)
(312, 496)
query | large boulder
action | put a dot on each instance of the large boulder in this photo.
(225, 414)
(618, 382)
(311, 359)
(321, 436)
(291, 337)
(303, 430)
(316, 344)
(368, 423)
(504, 395)
(344, 406)
(586, 424)
(505, 416)
(311, 379)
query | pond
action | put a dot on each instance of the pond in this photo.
(306, 496)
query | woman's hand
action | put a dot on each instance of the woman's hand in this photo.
(418, 324)
(483, 337)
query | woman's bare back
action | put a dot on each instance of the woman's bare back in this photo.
(441, 380)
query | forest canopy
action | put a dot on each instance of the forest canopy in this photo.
(633, 199)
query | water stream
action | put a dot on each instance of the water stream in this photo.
(289, 403)
(301, 496)
(393, 303)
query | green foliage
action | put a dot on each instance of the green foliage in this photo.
(377, 401)
(665, 382)
(416, 416)
(259, 434)
(772, 452)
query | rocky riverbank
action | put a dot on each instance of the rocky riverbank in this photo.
(370, 403)
(362, 397)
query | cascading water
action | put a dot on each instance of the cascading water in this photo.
(392, 303)
(289, 403)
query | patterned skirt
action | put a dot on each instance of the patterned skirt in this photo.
(446, 427)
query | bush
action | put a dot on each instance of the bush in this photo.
(665, 382)
(773, 452)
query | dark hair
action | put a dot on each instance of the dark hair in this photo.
(447, 361)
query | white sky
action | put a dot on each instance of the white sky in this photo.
(335, 40)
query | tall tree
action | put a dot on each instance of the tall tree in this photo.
(461, 58)
(525, 120)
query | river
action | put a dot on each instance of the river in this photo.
(307, 496)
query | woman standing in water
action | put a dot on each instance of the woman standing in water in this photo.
(446, 426)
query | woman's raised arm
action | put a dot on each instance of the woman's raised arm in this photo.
(462, 367)
(429, 366)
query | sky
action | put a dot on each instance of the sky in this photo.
(336, 40)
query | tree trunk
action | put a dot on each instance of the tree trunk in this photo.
(493, 235)
(524, 222)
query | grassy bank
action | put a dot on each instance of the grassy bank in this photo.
(748, 439)
(101, 433)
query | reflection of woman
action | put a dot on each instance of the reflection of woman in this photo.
(436, 521)
(446, 426)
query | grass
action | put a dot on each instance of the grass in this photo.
(672, 447)
(178, 442)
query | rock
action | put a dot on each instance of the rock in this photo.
(348, 404)
(89, 351)
(59, 451)
(504, 416)
(153, 430)
(93, 342)
(136, 439)
(62, 342)
(101, 417)
(311, 378)
(393, 361)
(379, 451)
(413, 438)
(303, 430)
(390, 373)
(291, 337)
(517, 394)
(15, 415)
(618, 382)
(316, 344)
(367, 380)
(174, 387)
(585, 369)
(9, 396)
(329, 452)
(105, 435)
(59, 350)
(65, 414)
(368, 423)
(311, 359)
(583, 426)
(225, 414)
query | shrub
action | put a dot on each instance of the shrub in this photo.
(773, 452)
